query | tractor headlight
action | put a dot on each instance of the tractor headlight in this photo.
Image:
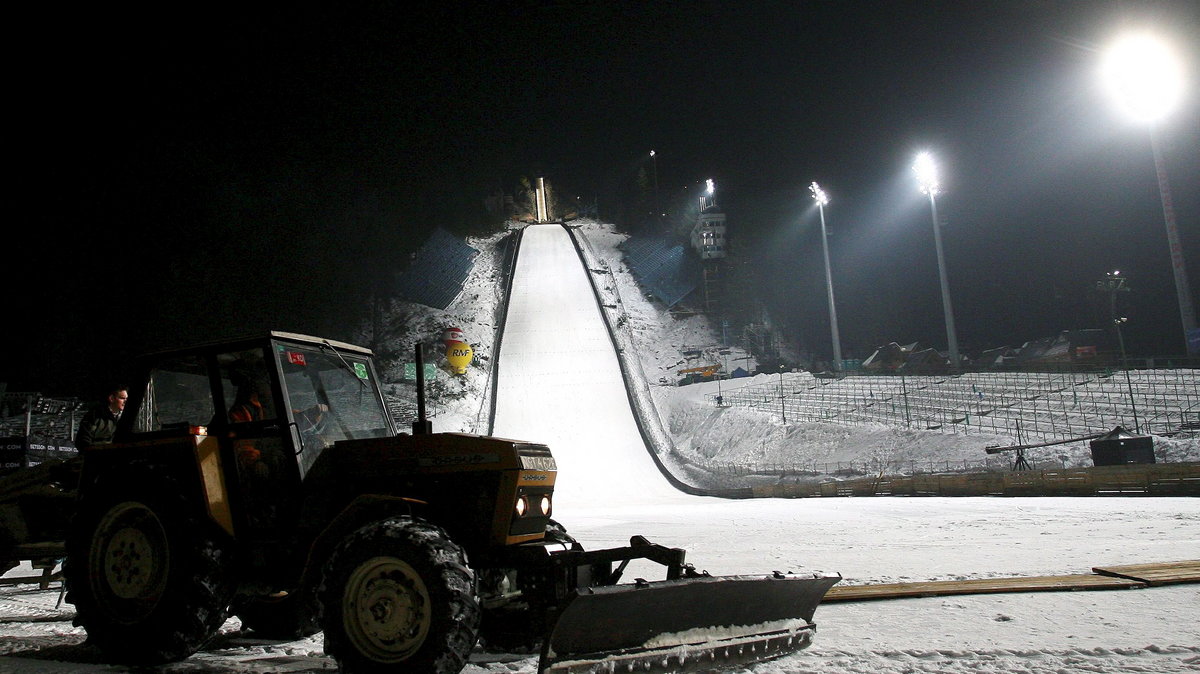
(522, 506)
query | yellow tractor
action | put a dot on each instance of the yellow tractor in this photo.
(264, 477)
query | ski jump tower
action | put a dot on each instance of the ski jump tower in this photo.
(708, 240)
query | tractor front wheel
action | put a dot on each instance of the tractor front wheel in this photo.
(398, 594)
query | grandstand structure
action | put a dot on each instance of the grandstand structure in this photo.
(1026, 406)
(23, 414)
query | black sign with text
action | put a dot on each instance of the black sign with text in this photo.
(21, 451)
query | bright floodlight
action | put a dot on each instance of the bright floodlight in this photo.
(1144, 76)
(651, 153)
(926, 172)
(711, 187)
(818, 194)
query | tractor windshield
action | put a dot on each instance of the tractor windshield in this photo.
(331, 396)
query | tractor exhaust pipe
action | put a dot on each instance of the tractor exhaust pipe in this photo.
(421, 426)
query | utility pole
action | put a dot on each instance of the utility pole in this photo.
(1113, 284)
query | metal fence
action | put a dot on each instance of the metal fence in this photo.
(1025, 406)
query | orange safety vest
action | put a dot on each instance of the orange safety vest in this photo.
(251, 410)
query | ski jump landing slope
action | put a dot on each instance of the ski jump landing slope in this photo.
(559, 381)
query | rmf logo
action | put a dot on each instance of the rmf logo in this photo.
(459, 355)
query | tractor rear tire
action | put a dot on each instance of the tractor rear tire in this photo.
(145, 572)
(397, 595)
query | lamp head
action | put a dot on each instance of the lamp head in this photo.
(818, 194)
(927, 176)
(1143, 75)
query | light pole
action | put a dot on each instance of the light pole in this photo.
(927, 178)
(1115, 283)
(1146, 80)
(822, 199)
(654, 171)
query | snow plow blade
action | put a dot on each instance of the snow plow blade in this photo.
(700, 623)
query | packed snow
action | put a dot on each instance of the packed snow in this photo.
(559, 383)
(557, 363)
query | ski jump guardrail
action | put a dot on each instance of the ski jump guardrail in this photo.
(513, 246)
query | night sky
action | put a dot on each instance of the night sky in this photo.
(181, 177)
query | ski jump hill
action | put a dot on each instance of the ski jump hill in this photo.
(560, 378)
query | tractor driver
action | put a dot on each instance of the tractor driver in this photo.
(252, 402)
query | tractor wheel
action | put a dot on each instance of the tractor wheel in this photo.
(397, 595)
(286, 618)
(145, 572)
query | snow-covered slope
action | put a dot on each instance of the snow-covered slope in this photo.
(559, 382)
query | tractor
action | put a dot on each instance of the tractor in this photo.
(264, 477)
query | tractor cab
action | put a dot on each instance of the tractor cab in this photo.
(253, 415)
(291, 395)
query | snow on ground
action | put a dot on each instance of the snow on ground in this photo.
(569, 401)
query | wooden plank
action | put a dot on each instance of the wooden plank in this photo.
(1156, 573)
(43, 581)
(940, 588)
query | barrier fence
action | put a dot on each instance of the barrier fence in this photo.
(1025, 406)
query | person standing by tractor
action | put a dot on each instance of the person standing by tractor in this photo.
(99, 423)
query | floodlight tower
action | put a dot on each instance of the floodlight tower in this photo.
(927, 178)
(1146, 80)
(822, 198)
(708, 199)
(1114, 283)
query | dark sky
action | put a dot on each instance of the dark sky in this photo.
(187, 176)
